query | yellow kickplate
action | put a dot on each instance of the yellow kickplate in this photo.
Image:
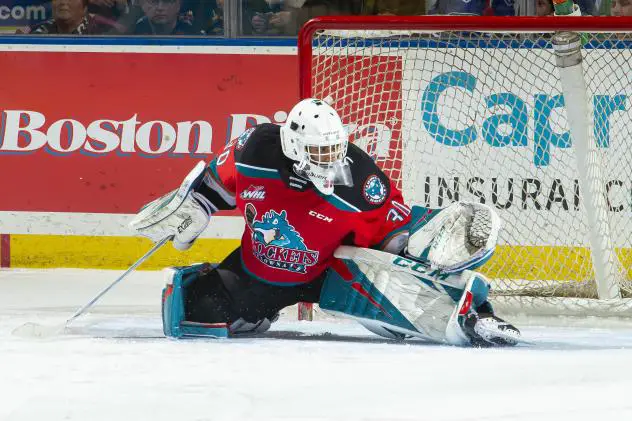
(75, 251)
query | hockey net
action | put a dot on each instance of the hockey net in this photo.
(484, 109)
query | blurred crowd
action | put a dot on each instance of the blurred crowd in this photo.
(248, 17)
(131, 17)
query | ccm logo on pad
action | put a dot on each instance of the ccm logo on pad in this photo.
(320, 216)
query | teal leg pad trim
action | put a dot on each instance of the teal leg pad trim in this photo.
(480, 291)
(173, 312)
(351, 292)
(211, 330)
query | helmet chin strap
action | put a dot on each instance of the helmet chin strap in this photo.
(323, 179)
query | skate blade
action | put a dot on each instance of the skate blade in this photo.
(518, 339)
(36, 330)
(506, 335)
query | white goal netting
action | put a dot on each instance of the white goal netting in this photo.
(482, 116)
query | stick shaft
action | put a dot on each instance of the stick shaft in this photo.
(119, 279)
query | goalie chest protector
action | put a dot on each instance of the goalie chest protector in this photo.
(292, 229)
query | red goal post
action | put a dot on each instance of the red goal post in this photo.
(528, 114)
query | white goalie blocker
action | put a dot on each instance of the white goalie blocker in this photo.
(427, 295)
(181, 214)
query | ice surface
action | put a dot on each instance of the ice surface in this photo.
(114, 365)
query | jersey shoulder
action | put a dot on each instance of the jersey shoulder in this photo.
(260, 146)
(371, 187)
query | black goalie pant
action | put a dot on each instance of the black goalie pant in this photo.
(228, 293)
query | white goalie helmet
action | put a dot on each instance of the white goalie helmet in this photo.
(314, 136)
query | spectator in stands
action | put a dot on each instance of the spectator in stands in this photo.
(162, 17)
(544, 7)
(257, 15)
(473, 7)
(112, 9)
(72, 17)
(621, 8)
(394, 7)
(215, 22)
(204, 15)
(458, 7)
(285, 17)
(586, 6)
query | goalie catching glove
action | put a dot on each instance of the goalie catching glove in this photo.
(182, 214)
(451, 240)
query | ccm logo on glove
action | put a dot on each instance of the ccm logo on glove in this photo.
(185, 224)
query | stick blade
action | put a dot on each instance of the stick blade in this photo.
(36, 330)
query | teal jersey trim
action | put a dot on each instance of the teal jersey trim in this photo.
(420, 216)
(213, 168)
(257, 172)
(337, 202)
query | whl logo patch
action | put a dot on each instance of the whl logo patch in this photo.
(277, 244)
(253, 193)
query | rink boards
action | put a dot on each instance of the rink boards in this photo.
(87, 249)
(92, 129)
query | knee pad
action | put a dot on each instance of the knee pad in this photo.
(173, 311)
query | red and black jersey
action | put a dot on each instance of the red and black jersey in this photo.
(292, 229)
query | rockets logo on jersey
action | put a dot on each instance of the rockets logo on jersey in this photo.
(253, 193)
(277, 244)
(374, 190)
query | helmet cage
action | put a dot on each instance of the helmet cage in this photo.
(315, 138)
(324, 151)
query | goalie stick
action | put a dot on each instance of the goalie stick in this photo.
(41, 331)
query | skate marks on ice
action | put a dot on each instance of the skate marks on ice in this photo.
(95, 326)
(132, 310)
(149, 328)
(579, 338)
(142, 325)
(47, 323)
(39, 331)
